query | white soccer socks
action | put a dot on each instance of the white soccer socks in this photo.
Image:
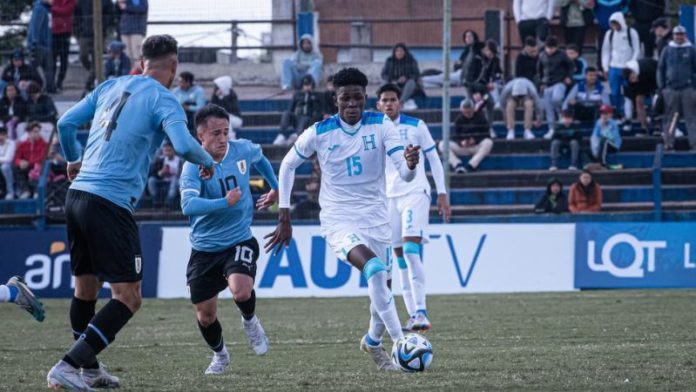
(381, 298)
(406, 286)
(416, 274)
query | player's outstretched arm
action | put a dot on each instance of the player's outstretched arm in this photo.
(186, 146)
(268, 199)
(443, 206)
(75, 118)
(283, 233)
(192, 205)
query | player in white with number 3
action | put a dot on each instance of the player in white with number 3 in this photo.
(409, 206)
(352, 148)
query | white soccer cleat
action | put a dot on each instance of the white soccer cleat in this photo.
(421, 322)
(26, 299)
(62, 375)
(379, 355)
(100, 378)
(257, 336)
(408, 326)
(218, 365)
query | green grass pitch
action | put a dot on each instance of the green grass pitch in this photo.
(587, 341)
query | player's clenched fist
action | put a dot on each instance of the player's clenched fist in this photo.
(233, 196)
(412, 155)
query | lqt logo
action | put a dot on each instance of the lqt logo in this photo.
(644, 256)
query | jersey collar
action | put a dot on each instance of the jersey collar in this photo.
(347, 128)
(226, 153)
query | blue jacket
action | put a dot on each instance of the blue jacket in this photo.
(609, 132)
(134, 17)
(604, 8)
(677, 67)
(39, 34)
(113, 70)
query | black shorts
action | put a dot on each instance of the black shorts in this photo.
(207, 272)
(104, 239)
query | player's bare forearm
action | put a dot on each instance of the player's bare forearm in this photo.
(281, 236)
(443, 207)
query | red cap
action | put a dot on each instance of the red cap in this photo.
(606, 109)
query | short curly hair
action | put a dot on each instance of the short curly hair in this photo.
(158, 46)
(349, 77)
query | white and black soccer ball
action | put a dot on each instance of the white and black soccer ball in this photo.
(412, 353)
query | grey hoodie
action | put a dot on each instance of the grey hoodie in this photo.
(304, 60)
(618, 52)
(677, 67)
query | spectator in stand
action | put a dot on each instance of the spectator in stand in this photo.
(576, 17)
(603, 10)
(471, 66)
(305, 61)
(191, 96)
(567, 135)
(328, 107)
(13, 109)
(676, 78)
(621, 45)
(7, 152)
(663, 36)
(305, 109)
(520, 92)
(485, 91)
(532, 18)
(309, 208)
(58, 166)
(164, 174)
(585, 98)
(224, 96)
(554, 201)
(527, 61)
(606, 137)
(40, 107)
(471, 129)
(133, 25)
(20, 73)
(585, 195)
(555, 72)
(29, 158)
(471, 43)
(118, 63)
(61, 27)
(402, 69)
(40, 42)
(83, 27)
(579, 63)
(644, 13)
(641, 85)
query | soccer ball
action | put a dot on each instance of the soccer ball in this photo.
(412, 353)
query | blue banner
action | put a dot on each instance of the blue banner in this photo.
(42, 257)
(635, 255)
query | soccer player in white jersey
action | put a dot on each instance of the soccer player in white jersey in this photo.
(409, 206)
(352, 148)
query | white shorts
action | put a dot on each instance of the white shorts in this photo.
(408, 215)
(342, 239)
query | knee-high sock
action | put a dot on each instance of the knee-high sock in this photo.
(406, 286)
(416, 273)
(213, 335)
(7, 293)
(81, 312)
(377, 327)
(375, 272)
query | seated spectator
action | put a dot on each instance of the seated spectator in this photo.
(7, 152)
(29, 159)
(40, 107)
(663, 35)
(13, 109)
(471, 130)
(676, 78)
(585, 98)
(555, 73)
(532, 17)
(402, 69)
(305, 61)
(191, 97)
(485, 90)
(576, 17)
(117, 63)
(641, 86)
(58, 168)
(527, 61)
(621, 45)
(520, 92)
(471, 43)
(19, 73)
(305, 109)
(328, 106)
(554, 201)
(606, 137)
(567, 135)
(579, 63)
(224, 96)
(585, 195)
(164, 175)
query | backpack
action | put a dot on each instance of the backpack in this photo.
(611, 38)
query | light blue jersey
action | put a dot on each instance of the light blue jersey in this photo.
(215, 225)
(130, 116)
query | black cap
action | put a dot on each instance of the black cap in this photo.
(660, 22)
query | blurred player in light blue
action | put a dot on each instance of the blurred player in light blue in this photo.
(220, 211)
